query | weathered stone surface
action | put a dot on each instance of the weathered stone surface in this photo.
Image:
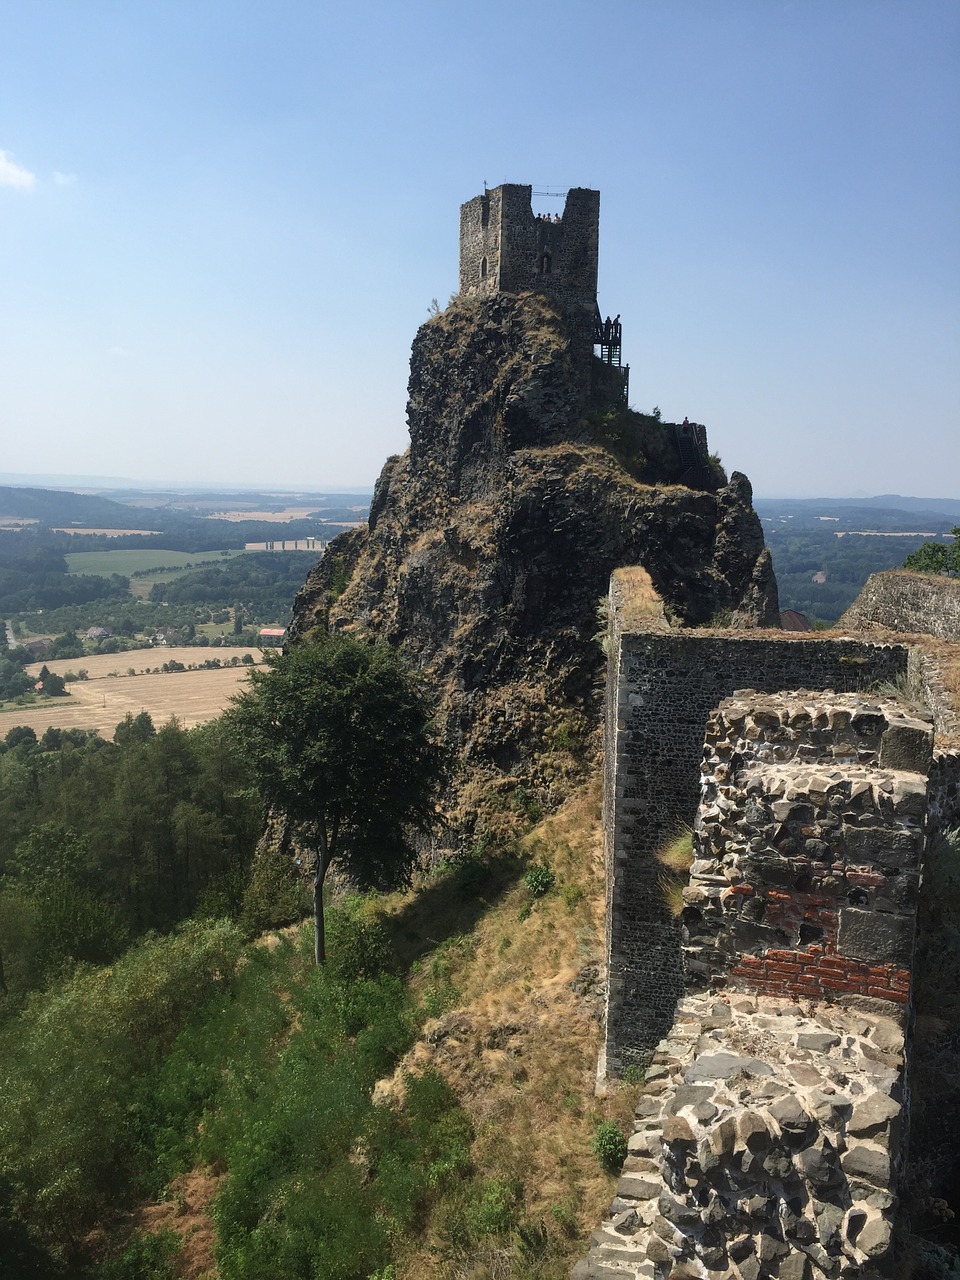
(876, 937)
(875, 1238)
(820, 1164)
(819, 1041)
(872, 1116)
(791, 1117)
(752, 1131)
(829, 1218)
(724, 1066)
(794, 1267)
(867, 1161)
(657, 1250)
(677, 1129)
(675, 1211)
(690, 1095)
(723, 1138)
(830, 1109)
(637, 1187)
(907, 745)
(770, 1248)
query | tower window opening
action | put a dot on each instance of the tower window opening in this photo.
(546, 264)
(484, 212)
(483, 268)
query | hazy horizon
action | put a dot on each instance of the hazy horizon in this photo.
(120, 483)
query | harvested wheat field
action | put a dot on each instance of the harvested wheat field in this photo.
(101, 701)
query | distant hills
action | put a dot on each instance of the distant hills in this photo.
(179, 520)
(944, 508)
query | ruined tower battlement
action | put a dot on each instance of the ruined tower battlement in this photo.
(506, 248)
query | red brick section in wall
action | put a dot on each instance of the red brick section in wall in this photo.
(816, 973)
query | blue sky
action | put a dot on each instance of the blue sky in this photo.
(221, 223)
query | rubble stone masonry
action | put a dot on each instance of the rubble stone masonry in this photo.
(662, 688)
(809, 843)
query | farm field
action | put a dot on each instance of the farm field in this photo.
(106, 533)
(130, 561)
(134, 560)
(103, 700)
(272, 517)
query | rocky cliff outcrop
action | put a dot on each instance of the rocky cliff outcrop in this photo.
(491, 541)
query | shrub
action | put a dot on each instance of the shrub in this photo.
(74, 1063)
(147, 1257)
(495, 1212)
(572, 895)
(609, 1146)
(540, 879)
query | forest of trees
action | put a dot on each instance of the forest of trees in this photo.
(264, 582)
(822, 557)
(142, 1035)
(101, 841)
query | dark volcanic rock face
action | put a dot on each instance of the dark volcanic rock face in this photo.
(491, 541)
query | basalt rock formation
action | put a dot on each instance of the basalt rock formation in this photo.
(491, 541)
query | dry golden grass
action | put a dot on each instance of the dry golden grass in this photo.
(640, 606)
(676, 858)
(103, 700)
(186, 1210)
(677, 854)
(520, 1046)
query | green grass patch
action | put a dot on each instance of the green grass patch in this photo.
(134, 560)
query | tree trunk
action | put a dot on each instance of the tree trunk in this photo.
(323, 861)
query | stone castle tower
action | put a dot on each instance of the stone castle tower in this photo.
(506, 248)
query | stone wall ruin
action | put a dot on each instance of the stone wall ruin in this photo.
(770, 1131)
(921, 603)
(662, 688)
(809, 841)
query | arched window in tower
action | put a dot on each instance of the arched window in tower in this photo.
(483, 268)
(546, 264)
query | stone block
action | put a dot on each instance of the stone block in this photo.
(676, 1129)
(873, 1116)
(724, 1066)
(820, 1165)
(676, 1211)
(875, 1238)
(818, 1041)
(908, 746)
(690, 1095)
(635, 1187)
(723, 1139)
(876, 937)
(752, 1131)
(793, 1120)
(795, 1266)
(866, 1161)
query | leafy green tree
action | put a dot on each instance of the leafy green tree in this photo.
(52, 685)
(937, 557)
(337, 734)
(134, 728)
